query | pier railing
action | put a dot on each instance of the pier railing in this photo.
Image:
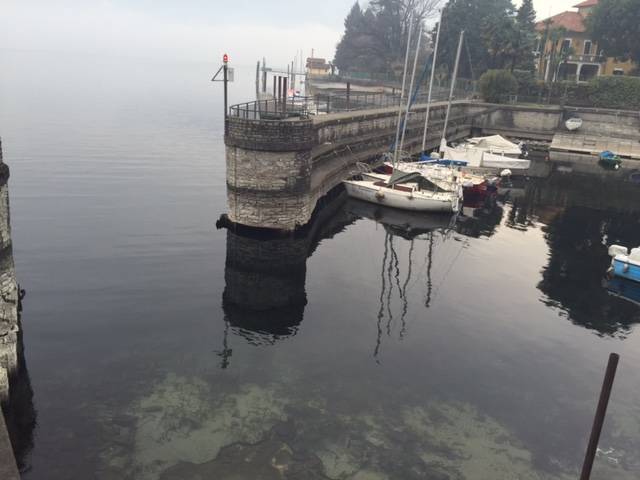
(325, 103)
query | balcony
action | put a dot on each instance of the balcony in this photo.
(586, 58)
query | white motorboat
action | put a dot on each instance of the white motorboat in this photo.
(573, 124)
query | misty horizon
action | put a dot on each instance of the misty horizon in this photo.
(193, 31)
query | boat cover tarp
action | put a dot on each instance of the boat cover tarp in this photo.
(489, 160)
(496, 144)
(480, 158)
(399, 176)
(472, 156)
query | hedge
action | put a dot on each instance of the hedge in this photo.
(496, 84)
(615, 92)
(618, 92)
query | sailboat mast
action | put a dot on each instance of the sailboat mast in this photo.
(413, 76)
(433, 75)
(404, 79)
(453, 86)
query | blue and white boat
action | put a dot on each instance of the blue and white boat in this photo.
(625, 264)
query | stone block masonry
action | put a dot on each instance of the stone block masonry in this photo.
(9, 324)
(8, 290)
(268, 171)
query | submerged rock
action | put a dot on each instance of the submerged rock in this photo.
(185, 421)
(185, 429)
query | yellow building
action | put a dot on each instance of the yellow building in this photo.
(565, 51)
(318, 67)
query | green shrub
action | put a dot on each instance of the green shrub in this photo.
(497, 85)
(615, 92)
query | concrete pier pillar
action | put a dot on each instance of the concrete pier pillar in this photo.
(269, 172)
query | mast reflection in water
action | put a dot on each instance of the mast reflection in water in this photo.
(428, 229)
(265, 273)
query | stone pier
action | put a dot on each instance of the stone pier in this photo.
(277, 170)
(9, 324)
(8, 290)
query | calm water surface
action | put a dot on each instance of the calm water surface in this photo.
(366, 347)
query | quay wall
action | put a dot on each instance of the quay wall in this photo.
(521, 121)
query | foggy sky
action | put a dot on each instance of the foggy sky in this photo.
(198, 30)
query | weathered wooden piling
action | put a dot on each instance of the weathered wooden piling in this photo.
(601, 412)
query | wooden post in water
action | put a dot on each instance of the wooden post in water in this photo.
(264, 75)
(598, 421)
(284, 93)
(258, 81)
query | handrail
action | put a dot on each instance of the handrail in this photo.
(323, 103)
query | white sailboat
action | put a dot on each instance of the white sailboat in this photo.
(406, 193)
(404, 190)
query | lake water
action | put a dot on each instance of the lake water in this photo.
(159, 347)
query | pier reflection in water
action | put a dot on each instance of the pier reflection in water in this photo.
(265, 275)
(418, 256)
(571, 282)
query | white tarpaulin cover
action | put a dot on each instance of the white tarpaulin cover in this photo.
(490, 160)
(465, 154)
(495, 144)
(477, 157)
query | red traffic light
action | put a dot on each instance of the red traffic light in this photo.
(225, 58)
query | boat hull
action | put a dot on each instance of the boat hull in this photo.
(398, 199)
(621, 288)
(624, 268)
(573, 124)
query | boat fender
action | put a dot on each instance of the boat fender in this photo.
(379, 195)
(625, 269)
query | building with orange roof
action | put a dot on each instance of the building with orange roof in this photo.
(565, 51)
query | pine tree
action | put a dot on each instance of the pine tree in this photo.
(375, 39)
(353, 26)
(526, 40)
(474, 17)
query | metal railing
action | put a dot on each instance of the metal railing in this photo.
(586, 58)
(325, 103)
